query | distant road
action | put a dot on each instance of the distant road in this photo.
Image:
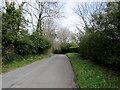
(53, 72)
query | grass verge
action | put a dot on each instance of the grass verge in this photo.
(90, 75)
(17, 64)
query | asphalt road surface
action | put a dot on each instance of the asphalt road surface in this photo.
(53, 72)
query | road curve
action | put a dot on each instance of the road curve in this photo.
(53, 72)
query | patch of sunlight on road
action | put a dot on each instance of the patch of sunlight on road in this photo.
(61, 55)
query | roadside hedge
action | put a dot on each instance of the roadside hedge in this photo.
(30, 45)
(99, 48)
(66, 48)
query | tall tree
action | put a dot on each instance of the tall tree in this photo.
(12, 26)
(45, 10)
(85, 10)
(49, 29)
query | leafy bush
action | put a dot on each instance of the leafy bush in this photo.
(98, 47)
(66, 48)
(34, 44)
(40, 43)
(24, 46)
(7, 58)
(57, 50)
(74, 49)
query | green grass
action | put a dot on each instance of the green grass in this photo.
(0, 67)
(90, 75)
(17, 64)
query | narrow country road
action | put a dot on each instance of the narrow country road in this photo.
(53, 72)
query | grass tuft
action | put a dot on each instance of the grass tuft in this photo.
(17, 64)
(90, 75)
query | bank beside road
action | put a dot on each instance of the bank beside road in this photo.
(16, 64)
(90, 75)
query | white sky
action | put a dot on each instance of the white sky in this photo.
(71, 19)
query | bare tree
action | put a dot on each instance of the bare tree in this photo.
(64, 35)
(76, 36)
(38, 12)
(49, 29)
(85, 10)
(45, 10)
(7, 2)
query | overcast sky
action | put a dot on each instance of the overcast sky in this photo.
(70, 19)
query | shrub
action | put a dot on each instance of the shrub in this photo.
(40, 43)
(74, 49)
(7, 58)
(24, 46)
(100, 48)
(66, 48)
(57, 51)
(34, 44)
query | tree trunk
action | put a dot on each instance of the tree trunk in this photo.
(39, 24)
